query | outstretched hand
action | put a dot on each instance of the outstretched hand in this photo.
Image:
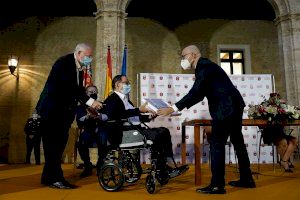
(165, 111)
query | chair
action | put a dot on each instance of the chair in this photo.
(206, 135)
(260, 130)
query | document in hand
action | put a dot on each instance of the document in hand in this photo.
(155, 104)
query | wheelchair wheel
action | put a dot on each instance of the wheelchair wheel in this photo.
(132, 171)
(162, 177)
(150, 184)
(111, 177)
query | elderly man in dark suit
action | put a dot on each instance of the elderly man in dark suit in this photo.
(118, 106)
(57, 106)
(226, 108)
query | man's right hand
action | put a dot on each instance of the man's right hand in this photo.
(97, 105)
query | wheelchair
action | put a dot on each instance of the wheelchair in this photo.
(123, 164)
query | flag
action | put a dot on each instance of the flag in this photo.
(124, 62)
(87, 76)
(108, 86)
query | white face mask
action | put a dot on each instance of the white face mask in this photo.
(185, 64)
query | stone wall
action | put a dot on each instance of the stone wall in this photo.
(151, 48)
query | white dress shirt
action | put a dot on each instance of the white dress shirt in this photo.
(134, 120)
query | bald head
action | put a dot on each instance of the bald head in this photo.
(191, 49)
(192, 54)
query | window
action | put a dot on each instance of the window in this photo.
(232, 61)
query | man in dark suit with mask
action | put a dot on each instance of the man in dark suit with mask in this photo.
(56, 106)
(226, 108)
(92, 132)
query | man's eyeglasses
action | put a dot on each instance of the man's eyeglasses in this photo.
(183, 56)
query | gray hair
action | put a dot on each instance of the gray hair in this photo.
(82, 47)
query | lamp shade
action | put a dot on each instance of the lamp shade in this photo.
(13, 61)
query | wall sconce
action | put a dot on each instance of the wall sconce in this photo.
(12, 65)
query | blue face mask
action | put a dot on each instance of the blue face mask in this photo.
(126, 89)
(86, 61)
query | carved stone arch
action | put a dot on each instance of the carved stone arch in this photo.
(281, 7)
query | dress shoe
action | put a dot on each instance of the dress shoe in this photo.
(173, 172)
(212, 190)
(72, 186)
(243, 183)
(60, 185)
(86, 172)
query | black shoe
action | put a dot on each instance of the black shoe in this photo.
(241, 183)
(291, 166)
(211, 190)
(69, 184)
(61, 185)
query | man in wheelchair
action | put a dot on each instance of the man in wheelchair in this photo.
(91, 132)
(118, 107)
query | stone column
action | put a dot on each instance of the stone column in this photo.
(110, 19)
(289, 42)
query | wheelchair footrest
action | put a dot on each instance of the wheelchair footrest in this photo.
(178, 171)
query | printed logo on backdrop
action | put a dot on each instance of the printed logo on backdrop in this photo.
(172, 85)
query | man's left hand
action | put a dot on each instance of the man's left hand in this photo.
(165, 111)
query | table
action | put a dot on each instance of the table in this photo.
(197, 123)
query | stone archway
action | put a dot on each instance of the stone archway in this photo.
(288, 26)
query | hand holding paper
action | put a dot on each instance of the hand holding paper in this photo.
(165, 111)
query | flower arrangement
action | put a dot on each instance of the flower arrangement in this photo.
(275, 109)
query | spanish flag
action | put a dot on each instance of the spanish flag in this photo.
(87, 76)
(108, 86)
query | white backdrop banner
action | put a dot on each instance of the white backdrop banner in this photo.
(172, 87)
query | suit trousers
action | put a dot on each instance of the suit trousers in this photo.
(161, 138)
(86, 140)
(221, 130)
(55, 137)
(33, 142)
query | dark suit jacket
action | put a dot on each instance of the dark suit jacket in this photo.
(115, 110)
(61, 93)
(212, 82)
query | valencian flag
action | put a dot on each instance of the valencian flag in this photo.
(124, 62)
(87, 76)
(108, 86)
